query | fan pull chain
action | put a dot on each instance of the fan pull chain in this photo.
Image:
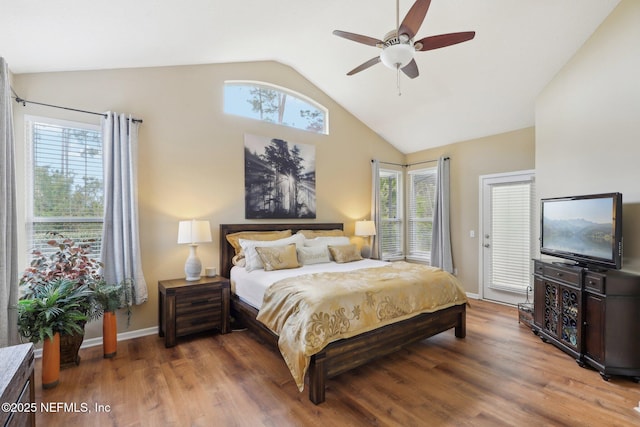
(398, 79)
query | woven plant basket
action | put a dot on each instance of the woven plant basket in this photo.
(69, 347)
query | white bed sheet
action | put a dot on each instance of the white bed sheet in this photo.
(251, 286)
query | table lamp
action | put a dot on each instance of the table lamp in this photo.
(193, 232)
(366, 229)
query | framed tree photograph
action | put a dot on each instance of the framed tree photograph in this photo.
(279, 178)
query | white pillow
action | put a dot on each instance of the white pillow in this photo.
(327, 240)
(313, 255)
(252, 259)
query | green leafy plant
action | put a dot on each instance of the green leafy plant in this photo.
(56, 306)
(111, 297)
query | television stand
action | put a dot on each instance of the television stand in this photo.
(592, 315)
(566, 263)
(595, 269)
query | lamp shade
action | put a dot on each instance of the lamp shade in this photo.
(365, 228)
(194, 231)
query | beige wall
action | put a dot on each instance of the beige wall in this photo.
(507, 152)
(588, 123)
(191, 153)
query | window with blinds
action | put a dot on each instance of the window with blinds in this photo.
(511, 205)
(65, 182)
(390, 232)
(422, 193)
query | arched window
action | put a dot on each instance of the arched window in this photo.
(274, 104)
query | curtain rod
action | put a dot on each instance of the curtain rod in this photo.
(24, 102)
(410, 164)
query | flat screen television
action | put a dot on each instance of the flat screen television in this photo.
(584, 229)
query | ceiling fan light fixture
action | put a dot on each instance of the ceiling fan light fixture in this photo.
(399, 45)
(397, 55)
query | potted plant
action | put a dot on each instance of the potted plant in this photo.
(108, 299)
(67, 260)
(53, 309)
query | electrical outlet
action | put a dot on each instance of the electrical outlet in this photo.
(472, 233)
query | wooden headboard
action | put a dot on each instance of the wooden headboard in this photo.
(227, 251)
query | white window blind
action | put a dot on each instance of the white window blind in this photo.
(390, 233)
(422, 193)
(511, 206)
(65, 182)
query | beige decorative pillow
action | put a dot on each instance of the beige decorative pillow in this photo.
(345, 253)
(278, 257)
(313, 255)
(234, 238)
(252, 259)
(311, 234)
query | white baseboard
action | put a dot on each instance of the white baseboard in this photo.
(473, 296)
(94, 342)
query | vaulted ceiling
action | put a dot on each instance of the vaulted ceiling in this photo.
(481, 87)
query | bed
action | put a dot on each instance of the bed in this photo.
(344, 354)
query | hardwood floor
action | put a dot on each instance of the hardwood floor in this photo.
(501, 374)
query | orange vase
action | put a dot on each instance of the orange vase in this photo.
(51, 361)
(109, 334)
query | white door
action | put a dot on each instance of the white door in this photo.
(507, 202)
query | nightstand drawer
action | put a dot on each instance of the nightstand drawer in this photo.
(199, 321)
(197, 302)
(22, 418)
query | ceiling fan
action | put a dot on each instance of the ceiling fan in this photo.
(398, 46)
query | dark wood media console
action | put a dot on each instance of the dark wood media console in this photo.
(593, 315)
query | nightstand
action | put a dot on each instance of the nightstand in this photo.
(17, 387)
(188, 307)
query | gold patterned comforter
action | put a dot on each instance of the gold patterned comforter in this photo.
(310, 311)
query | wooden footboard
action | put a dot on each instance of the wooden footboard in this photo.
(346, 354)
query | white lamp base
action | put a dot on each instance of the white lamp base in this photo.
(366, 251)
(193, 266)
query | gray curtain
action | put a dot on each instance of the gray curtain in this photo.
(120, 237)
(8, 216)
(441, 241)
(376, 252)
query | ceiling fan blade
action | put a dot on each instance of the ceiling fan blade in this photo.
(412, 22)
(369, 63)
(370, 41)
(411, 69)
(443, 40)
